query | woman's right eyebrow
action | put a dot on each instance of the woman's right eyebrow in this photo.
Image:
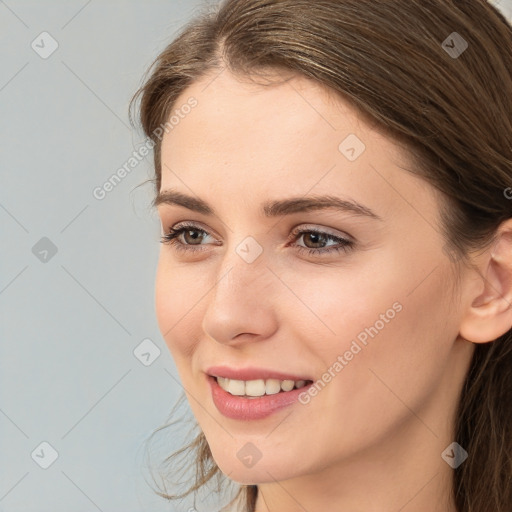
(273, 208)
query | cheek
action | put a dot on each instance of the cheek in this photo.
(175, 303)
(333, 308)
(375, 322)
(395, 344)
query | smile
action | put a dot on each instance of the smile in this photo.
(246, 407)
(258, 387)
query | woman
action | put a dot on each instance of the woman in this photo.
(334, 183)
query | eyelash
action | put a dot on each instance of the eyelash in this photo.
(171, 238)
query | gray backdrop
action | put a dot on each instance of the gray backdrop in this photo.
(85, 375)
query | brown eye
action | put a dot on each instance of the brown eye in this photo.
(313, 238)
(192, 238)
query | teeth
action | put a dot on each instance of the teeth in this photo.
(287, 385)
(258, 387)
(253, 387)
(272, 386)
(236, 387)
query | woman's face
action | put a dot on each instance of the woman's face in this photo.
(372, 325)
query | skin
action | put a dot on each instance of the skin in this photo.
(372, 439)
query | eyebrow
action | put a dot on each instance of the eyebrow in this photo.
(275, 208)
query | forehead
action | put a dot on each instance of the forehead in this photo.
(269, 122)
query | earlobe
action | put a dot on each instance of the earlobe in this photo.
(489, 314)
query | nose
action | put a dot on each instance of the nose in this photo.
(242, 304)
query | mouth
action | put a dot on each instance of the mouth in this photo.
(257, 388)
(248, 400)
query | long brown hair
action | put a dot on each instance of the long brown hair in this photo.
(449, 105)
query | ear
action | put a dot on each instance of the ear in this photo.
(489, 313)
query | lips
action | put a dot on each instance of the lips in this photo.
(253, 373)
(251, 408)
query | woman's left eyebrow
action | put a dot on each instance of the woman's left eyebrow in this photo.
(273, 208)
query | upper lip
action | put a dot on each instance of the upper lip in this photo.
(252, 373)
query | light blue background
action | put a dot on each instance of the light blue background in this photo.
(69, 325)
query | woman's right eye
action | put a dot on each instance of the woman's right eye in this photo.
(172, 237)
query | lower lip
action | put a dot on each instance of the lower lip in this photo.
(239, 408)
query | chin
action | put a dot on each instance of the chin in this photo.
(254, 476)
(263, 471)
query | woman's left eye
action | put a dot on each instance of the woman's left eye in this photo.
(174, 238)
